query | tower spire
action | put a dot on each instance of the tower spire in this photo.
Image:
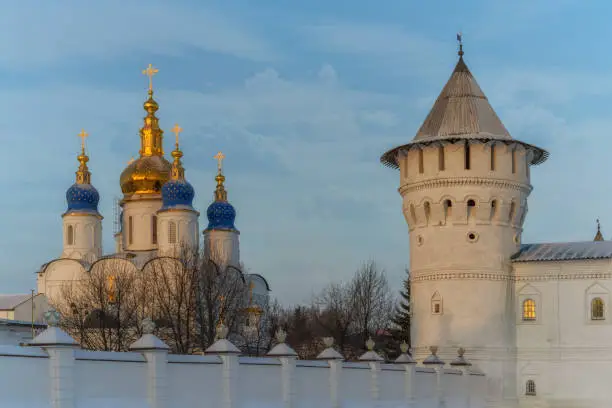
(151, 136)
(220, 192)
(178, 172)
(599, 235)
(83, 176)
(460, 41)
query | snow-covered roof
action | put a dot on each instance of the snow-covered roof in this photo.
(564, 251)
(10, 302)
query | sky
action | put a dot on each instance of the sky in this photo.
(302, 98)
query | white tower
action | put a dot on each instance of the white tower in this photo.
(82, 223)
(464, 183)
(142, 181)
(177, 221)
(221, 236)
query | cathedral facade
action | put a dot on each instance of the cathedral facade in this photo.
(157, 218)
(534, 317)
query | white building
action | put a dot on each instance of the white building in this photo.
(156, 216)
(534, 317)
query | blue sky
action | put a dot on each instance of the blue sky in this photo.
(303, 99)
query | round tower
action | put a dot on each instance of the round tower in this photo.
(221, 236)
(177, 221)
(464, 182)
(82, 223)
(142, 181)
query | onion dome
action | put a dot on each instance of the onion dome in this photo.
(461, 114)
(82, 197)
(177, 193)
(221, 214)
(151, 170)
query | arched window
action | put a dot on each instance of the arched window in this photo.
(471, 205)
(493, 209)
(421, 163)
(512, 212)
(492, 157)
(467, 155)
(172, 232)
(441, 158)
(70, 235)
(427, 208)
(530, 388)
(448, 209)
(597, 309)
(130, 230)
(529, 310)
(154, 229)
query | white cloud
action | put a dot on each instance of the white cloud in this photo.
(45, 33)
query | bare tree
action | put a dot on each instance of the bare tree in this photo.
(170, 284)
(373, 300)
(220, 298)
(101, 310)
(334, 311)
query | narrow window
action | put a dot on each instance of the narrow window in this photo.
(436, 304)
(130, 230)
(492, 157)
(413, 214)
(597, 309)
(467, 155)
(529, 310)
(154, 229)
(427, 211)
(406, 165)
(172, 232)
(448, 208)
(530, 388)
(513, 161)
(527, 168)
(70, 235)
(512, 212)
(471, 204)
(441, 158)
(421, 164)
(493, 209)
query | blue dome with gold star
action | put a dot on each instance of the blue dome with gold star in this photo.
(221, 215)
(177, 194)
(82, 198)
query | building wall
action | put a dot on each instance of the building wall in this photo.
(564, 351)
(143, 214)
(57, 274)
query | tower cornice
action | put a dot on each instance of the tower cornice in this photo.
(465, 181)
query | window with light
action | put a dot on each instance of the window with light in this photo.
(529, 310)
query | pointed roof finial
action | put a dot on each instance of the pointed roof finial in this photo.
(599, 235)
(220, 193)
(460, 41)
(83, 176)
(177, 172)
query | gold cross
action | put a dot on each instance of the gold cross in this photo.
(150, 71)
(219, 156)
(176, 130)
(83, 135)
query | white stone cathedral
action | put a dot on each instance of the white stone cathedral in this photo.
(156, 219)
(534, 317)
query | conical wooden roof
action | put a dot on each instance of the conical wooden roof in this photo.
(461, 113)
(463, 110)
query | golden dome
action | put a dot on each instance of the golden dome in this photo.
(146, 175)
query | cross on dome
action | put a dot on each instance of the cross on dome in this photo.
(150, 71)
(219, 156)
(83, 135)
(176, 130)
